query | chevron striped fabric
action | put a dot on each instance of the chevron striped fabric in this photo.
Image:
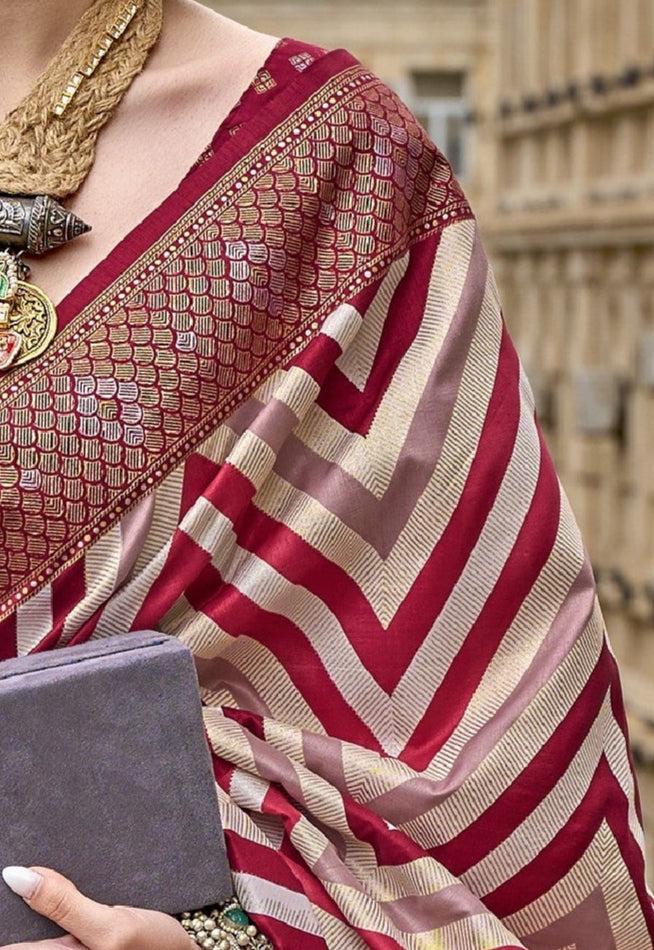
(291, 429)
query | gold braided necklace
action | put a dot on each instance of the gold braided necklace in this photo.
(47, 148)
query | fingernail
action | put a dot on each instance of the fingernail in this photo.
(22, 881)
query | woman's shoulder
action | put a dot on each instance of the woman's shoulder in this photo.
(195, 34)
(242, 49)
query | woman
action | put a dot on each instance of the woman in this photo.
(307, 449)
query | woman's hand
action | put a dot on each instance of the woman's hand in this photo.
(91, 926)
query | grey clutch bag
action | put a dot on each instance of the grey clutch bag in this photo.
(105, 775)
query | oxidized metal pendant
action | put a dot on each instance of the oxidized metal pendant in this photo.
(37, 224)
(28, 318)
(32, 224)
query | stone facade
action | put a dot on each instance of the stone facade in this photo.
(569, 220)
(570, 224)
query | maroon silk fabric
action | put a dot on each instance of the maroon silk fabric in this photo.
(284, 422)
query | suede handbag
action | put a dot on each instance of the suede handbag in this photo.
(105, 775)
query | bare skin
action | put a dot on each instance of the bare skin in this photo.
(32, 32)
(193, 77)
(92, 926)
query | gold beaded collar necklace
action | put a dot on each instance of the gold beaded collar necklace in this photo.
(47, 148)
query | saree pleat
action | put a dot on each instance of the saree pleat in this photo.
(306, 447)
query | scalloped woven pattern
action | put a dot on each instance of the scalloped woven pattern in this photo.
(238, 287)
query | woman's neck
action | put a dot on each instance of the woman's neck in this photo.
(32, 32)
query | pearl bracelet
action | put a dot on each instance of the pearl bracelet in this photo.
(224, 927)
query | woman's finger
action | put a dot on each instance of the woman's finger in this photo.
(91, 926)
(57, 943)
(55, 897)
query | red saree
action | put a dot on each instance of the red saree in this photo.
(284, 422)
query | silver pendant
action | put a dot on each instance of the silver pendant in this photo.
(37, 224)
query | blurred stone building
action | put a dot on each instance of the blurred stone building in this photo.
(546, 110)
(435, 53)
(569, 220)
(570, 224)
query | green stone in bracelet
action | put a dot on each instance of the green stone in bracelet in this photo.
(225, 927)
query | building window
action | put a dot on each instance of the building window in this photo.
(439, 102)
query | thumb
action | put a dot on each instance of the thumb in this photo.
(55, 897)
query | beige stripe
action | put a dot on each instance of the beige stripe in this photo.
(279, 903)
(476, 933)
(253, 457)
(358, 359)
(265, 830)
(229, 740)
(522, 641)
(338, 934)
(34, 620)
(553, 811)
(101, 565)
(248, 791)
(422, 876)
(286, 739)
(434, 657)
(388, 432)
(325, 805)
(297, 389)
(254, 661)
(221, 442)
(121, 610)
(199, 523)
(214, 533)
(483, 932)
(257, 580)
(515, 748)
(616, 751)
(601, 863)
(342, 325)
(311, 843)
(167, 500)
(361, 902)
(386, 583)
(233, 818)
(184, 622)
(395, 414)
(525, 739)
(272, 829)
(568, 892)
(434, 509)
(369, 777)
(264, 393)
(125, 605)
(368, 774)
(621, 899)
